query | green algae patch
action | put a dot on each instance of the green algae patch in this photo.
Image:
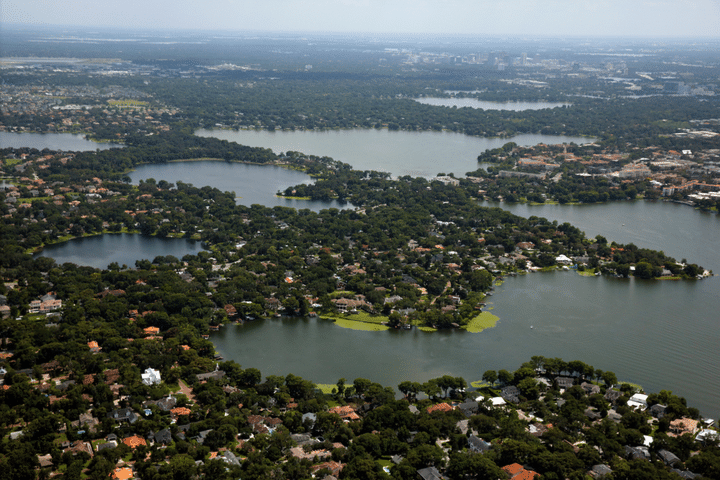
(481, 322)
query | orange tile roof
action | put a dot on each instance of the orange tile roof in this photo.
(180, 411)
(513, 469)
(93, 344)
(122, 473)
(342, 410)
(518, 472)
(440, 407)
(134, 441)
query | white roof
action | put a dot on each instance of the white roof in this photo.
(639, 398)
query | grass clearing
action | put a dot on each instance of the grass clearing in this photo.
(341, 294)
(427, 329)
(481, 322)
(360, 325)
(590, 272)
(326, 388)
(127, 103)
(480, 384)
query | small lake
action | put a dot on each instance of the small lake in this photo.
(487, 105)
(67, 142)
(101, 250)
(418, 154)
(252, 184)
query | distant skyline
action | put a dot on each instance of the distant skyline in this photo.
(639, 18)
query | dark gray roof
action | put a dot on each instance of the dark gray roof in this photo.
(430, 473)
(477, 444)
(668, 457)
(601, 470)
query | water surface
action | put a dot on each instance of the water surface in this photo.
(418, 154)
(660, 334)
(101, 250)
(252, 184)
(68, 142)
(487, 105)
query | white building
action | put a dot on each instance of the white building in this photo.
(151, 377)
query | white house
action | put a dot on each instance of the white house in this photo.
(151, 377)
(638, 401)
(564, 260)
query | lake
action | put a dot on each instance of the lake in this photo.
(487, 105)
(661, 334)
(101, 250)
(252, 184)
(67, 142)
(418, 154)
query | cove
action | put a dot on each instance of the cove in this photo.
(252, 184)
(418, 154)
(68, 142)
(124, 248)
(487, 105)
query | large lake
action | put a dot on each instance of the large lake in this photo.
(419, 154)
(101, 250)
(487, 105)
(68, 142)
(252, 184)
(661, 334)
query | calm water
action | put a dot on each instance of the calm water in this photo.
(419, 154)
(678, 230)
(101, 250)
(252, 184)
(663, 335)
(67, 142)
(486, 105)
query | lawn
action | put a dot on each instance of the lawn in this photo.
(360, 325)
(326, 388)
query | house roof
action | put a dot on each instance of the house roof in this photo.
(440, 407)
(134, 441)
(518, 472)
(122, 473)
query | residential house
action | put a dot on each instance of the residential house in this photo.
(347, 413)
(600, 471)
(590, 388)
(511, 394)
(478, 445)
(516, 471)
(123, 415)
(430, 473)
(658, 411)
(681, 426)
(151, 377)
(668, 457)
(134, 441)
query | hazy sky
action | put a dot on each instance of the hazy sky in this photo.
(666, 18)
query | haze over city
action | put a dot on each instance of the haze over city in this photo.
(657, 18)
